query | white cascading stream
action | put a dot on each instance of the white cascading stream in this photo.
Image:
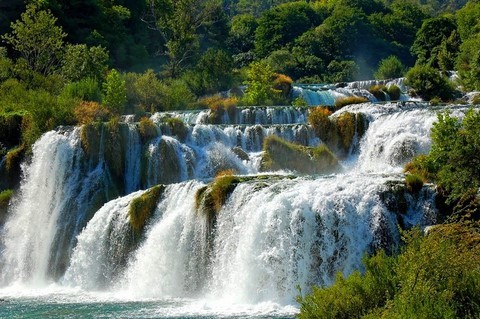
(45, 193)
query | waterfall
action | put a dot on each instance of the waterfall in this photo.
(38, 217)
(70, 224)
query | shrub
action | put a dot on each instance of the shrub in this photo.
(282, 84)
(86, 89)
(5, 197)
(88, 112)
(421, 166)
(389, 68)
(115, 92)
(414, 183)
(299, 102)
(147, 129)
(394, 92)
(141, 208)
(429, 83)
(259, 82)
(434, 276)
(177, 127)
(341, 102)
(218, 106)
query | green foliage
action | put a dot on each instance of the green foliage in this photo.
(429, 83)
(81, 61)
(115, 92)
(5, 197)
(435, 276)
(176, 95)
(86, 89)
(429, 40)
(280, 26)
(259, 84)
(141, 208)
(144, 90)
(282, 155)
(318, 118)
(242, 33)
(212, 74)
(414, 183)
(14, 157)
(390, 68)
(468, 63)
(468, 20)
(38, 40)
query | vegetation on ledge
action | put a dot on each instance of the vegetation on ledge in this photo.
(434, 276)
(282, 155)
(141, 208)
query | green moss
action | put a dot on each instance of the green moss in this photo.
(414, 183)
(280, 154)
(90, 137)
(476, 100)
(394, 92)
(210, 199)
(142, 207)
(349, 100)
(114, 148)
(5, 197)
(378, 91)
(14, 158)
(346, 129)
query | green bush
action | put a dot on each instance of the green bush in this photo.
(434, 276)
(147, 129)
(86, 89)
(390, 68)
(115, 92)
(429, 83)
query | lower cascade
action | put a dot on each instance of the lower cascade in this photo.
(161, 227)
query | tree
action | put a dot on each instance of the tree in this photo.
(390, 68)
(38, 39)
(468, 63)
(213, 73)
(281, 25)
(259, 83)
(178, 23)
(242, 33)
(115, 93)
(81, 61)
(429, 39)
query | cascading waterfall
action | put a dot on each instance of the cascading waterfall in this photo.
(271, 235)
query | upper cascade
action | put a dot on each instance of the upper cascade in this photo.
(323, 94)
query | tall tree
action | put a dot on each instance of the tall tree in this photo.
(179, 23)
(38, 39)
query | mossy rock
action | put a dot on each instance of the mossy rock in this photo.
(147, 129)
(90, 137)
(115, 148)
(142, 208)
(280, 155)
(176, 127)
(5, 197)
(241, 154)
